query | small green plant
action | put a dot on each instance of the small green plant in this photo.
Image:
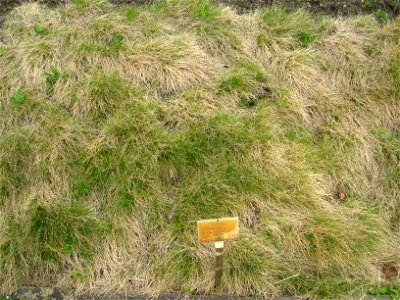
(39, 30)
(367, 5)
(131, 12)
(206, 11)
(382, 15)
(394, 4)
(18, 98)
(116, 43)
(392, 292)
(305, 38)
(51, 79)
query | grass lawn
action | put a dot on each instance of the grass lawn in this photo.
(120, 127)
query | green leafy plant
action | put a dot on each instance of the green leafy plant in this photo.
(51, 79)
(392, 292)
(306, 38)
(206, 11)
(382, 15)
(367, 5)
(18, 98)
(39, 30)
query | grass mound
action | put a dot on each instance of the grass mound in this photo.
(120, 127)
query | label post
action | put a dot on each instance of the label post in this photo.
(218, 231)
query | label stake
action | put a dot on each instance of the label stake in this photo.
(219, 262)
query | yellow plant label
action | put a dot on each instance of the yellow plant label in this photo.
(218, 230)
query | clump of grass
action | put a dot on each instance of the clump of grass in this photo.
(290, 28)
(120, 129)
(63, 230)
(248, 82)
(89, 6)
(130, 12)
(18, 98)
(51, 79)
(54, 235)
(104, 91)
(306, 38)
(207, 11)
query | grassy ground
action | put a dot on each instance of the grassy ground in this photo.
(120, 127)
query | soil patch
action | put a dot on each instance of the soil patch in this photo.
(326, 7)
(7, 5)
(384, 9)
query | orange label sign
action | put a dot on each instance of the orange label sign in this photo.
(218, 230)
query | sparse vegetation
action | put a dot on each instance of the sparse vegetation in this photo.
(120, 127)
(392, 292)
(367, 4)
